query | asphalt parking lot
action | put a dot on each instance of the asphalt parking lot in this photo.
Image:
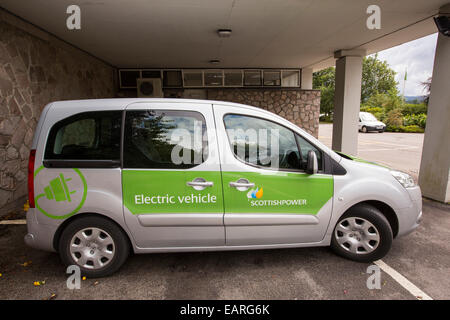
(422, 257)
(400, 151)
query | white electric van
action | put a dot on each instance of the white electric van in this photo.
(169, 175)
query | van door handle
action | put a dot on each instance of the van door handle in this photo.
(199, 184)
(242, 184)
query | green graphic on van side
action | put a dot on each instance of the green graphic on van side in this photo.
(57, 190)
(277, 192)
(147, 192)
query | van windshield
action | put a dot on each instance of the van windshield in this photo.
(368, 117)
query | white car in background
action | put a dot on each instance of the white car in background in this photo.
(368, 122)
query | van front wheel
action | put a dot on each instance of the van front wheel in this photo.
(362, 234)
(95, 244)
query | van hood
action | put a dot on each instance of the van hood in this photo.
(349, 157)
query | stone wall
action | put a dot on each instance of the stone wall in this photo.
(35, 69)
(301, 107)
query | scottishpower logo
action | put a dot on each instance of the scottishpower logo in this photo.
(255, 193)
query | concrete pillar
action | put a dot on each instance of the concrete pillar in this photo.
(347, 99)
(307, 78)
(434, 175)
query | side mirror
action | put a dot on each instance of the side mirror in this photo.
(312, 165)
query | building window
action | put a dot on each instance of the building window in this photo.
(272, 78)
(198, 78)
(193, 78)
(290, 78)
(233, 78)
(252, 78)
(128, 78)
(172, 79)
(151, 74)
(213, 78)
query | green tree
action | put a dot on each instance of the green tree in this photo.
(377, 77)
(388, 101)
(427, 88)
(323, 80)
(378, 80)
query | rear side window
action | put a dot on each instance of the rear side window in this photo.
(164, 139)
(86, 136)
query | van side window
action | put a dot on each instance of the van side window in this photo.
(164, 139)
(261, 142)
(86, 136)
(305, 147)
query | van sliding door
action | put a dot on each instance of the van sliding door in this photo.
(172, 187)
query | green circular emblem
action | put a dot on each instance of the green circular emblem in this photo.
(58, 191)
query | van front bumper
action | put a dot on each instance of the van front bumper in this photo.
(375, 128)
(411, 217)
(39, 236)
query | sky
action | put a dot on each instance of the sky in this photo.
(415, 56)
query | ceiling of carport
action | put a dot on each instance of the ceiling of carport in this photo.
(266, 33)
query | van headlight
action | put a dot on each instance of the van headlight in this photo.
(405, 179)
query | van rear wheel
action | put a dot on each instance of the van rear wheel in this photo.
(95, 244)
(362, 234)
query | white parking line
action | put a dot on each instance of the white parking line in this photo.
(405, 283)
(18, 221)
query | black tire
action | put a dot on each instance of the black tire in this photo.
(377, 219)
(381, 131)
(121, 244)
(364, 129)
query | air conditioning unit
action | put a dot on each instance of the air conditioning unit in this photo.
(149, 88)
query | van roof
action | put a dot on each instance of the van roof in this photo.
(122, 103)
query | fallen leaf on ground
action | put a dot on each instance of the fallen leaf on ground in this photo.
(38, 283)
(26, 264)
